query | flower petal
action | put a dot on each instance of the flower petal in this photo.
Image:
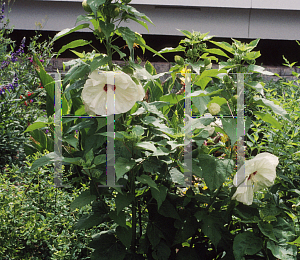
(95, 97)
(244, 193)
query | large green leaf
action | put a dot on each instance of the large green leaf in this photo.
(230, 127)
(160, 194)
(128, 36)
(168, 210)
(283, 250)
(162, 251)
(267, 230)
(35, 125)
(48, 83)
(217, 52)
(46, 159)
(136, 13)
(125, 235)
(258, 86)
(187, 230)
(268, 119)
(246, 243)
(253, 56)
(122, 201)
(147, 180)
(224, 45)
(211, 227)
(88, 221)
(122, 166)
(205, 77)
(95, 4)
(69, 30)
(259, 69)
(170, 49)
(84, 124)
(120, 218)
(276, 108)
(76, 72)
(136, 20)
(73, 44)
(107, 28)
(215, 171)
(83, 199)
(99, 61)
(106, 247)
(296, 242)
(154, 234)
(177, 176)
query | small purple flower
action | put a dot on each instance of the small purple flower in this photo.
(47, 131)
(2, 12)
(41, 60)
(4, 64)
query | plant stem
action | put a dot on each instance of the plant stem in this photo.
(132, 180)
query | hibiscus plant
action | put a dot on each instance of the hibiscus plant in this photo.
(151, 212)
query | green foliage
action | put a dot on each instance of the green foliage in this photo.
(21, 93)
(156, 211)
(36, 222)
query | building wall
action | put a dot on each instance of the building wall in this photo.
(267, 19)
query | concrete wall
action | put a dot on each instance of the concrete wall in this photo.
(265, 19)
(160, 67)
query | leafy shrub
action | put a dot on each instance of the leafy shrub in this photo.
(22, 96)
(36, 221)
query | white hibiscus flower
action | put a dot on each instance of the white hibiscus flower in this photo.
(96, 90)
(254, 175)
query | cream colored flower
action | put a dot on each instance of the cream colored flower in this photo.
(217, 123)
(256, 174)
(96, 90)
(214, 108)
(209, 129)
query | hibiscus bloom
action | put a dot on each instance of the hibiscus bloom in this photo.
(254, 175)
(97, 91)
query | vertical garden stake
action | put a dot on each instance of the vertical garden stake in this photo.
(57, 133)
(110, 150)
(188, 165)
(240, 131)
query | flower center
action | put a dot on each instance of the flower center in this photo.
(252, 174)
(105, 87)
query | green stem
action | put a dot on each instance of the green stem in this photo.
(109, 54)
(214, 197)
(132, 180)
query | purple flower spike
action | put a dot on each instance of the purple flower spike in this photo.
(3, 7)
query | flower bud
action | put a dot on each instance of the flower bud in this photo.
(214, 108)
(86, 7)
(179, 60)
